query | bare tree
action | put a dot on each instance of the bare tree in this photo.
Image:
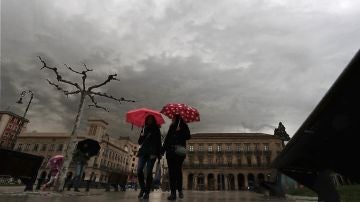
(83, 91)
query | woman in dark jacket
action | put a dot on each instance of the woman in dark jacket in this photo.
(150, 141)
(177, 135)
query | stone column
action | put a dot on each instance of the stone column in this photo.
(206, 181)
(195, 182)
(185, 180)
(226, 182)
(246, 184)
(236, 182)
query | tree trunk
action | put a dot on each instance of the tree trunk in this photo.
(70, 147)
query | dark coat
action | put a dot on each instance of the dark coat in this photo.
(150, 142)
(176, 137)
(80, 157)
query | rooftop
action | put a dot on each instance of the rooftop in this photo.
(13, 114)
(232, 135)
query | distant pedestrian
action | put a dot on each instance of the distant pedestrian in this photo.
(174, 146)
(55, 165)
(150, 141)
(80, 159)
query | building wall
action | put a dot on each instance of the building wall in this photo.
(11, 125)
(113, 155)
(229, 161)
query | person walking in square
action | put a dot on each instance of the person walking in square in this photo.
(80, 159)
(150, 141)
(174, 146)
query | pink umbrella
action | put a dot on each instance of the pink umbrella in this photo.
(56, 161)
(137, 116)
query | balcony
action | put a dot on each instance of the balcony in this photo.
(229, 152)
(221, 166)
(257, 152)
(267, 153)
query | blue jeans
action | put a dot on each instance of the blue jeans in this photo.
(79, 170)
(149, 163)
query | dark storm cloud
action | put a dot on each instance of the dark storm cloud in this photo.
(246, 65)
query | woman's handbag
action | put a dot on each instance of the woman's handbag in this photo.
(180, 150)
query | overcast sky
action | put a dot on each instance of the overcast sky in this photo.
(245, 65)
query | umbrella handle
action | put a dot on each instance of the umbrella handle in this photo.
(178, 126)
(142, 130)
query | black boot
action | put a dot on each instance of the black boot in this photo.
(146, 195)
(141, 194)
(172, 197)
(181, 194)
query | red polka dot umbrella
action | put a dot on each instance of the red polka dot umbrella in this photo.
(187, 113)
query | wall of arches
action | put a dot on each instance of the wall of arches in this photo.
(232, 181)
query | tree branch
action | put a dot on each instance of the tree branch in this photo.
(66, 92)
(58, 76)
(87, 70)
(95, 103)
(72, 69)
(111, 97)
(110, 78)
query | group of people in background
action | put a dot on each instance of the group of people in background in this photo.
(152, 149)
(80, 160)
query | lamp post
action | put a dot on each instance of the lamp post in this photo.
(25, 92)
(22, 94)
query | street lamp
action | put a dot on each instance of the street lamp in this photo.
(21, 124)
(25, 92)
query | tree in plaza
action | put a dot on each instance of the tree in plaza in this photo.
(281, 133)
(83, 91)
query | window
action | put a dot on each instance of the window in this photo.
(27, 147)
(238, 147)
(43, 148)
(219, 148)
(268, 160)
(239, 160)
(258, 159)
(211, 161)
(191, 148)
(247, 147)
(257, 146)
(92, 130)
(201, 148)
(52, 147)
(248, 158)
(228, 148)
(19, 148)
(36, 147)
(60, 147)
(210, 148)
(266, 147)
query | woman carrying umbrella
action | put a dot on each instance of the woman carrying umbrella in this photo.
(176, 137)
(175, 142)
(150, 141)
(55, 164)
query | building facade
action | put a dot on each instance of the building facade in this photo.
(116, 154)
(229, 161)
(11, 125)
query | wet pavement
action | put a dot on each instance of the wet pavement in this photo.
(14, 194)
